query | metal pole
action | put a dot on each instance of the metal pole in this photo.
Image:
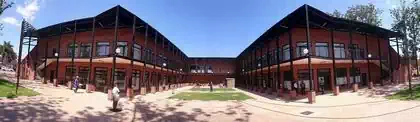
(309, 47)
(269, 67)
(45, 62)
(114, 47)
(391, 68)
(278, 61)
(58, 56)
(91, 49)
(73, 52)
(380, 61)
(352, 48)
(333, 58)
(368, 61)
(20, 55)
(133, 41)
(261, 67)
(291, 60)
(145, 57)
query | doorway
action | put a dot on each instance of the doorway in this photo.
(52, 73)
(324, 80)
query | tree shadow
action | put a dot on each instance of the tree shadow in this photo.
(32, 109)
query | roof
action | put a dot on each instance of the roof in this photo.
(105, 19)
(318, 19)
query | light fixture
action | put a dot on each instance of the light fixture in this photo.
(369, 55)
(164, 64)
(243, 70)
(305, 51)
(56, 54)
(259, 64)
(118, 50)
(180, 69)
(228, 72)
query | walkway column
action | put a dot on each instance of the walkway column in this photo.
(334, 76)
(22, 32)
(130, 72)
(45, 63)
(279, 89)
(380, 61)
(370, 83)
(261, 69)
(353, 68)
(311, 94)
(114, 54)
(256, 86)
(143, 84)
(269, 80)
(89, 85)
(293, 91)
(391, 68)
(73, 67)
(399, 60)
(57, 58)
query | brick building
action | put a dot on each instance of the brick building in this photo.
(341, 54)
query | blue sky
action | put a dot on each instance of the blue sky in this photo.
(200, 28)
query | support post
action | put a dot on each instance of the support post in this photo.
(311, 94)
(58, 57)
(133, 41)
(380, 61)
(370, 83)
(73, 67)
(20, 55)
(114, 47)
(352, 49)
(45, 62)
(391, 68)
(89, 85)
(269, 80)
(336, 86)
(280, 89)
(293, 82)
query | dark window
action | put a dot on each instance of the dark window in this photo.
(137, 52)
(102, 49)
(339, 51)
(300, 47)
(341, 76)
(321, 49)
(123, 48)
(100, 79)
(135, 80)
(85, 50)
(70, 71)
(72, 50)
(83, 75)
(286, 52)
(120, 78)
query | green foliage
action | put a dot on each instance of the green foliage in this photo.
(7, 52)
(3, 6)
(406, 95)
(211, 96)
(363, 13)
(8, 89)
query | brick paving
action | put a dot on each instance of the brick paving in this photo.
(61, 104)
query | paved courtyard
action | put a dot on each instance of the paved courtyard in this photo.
(61, 104)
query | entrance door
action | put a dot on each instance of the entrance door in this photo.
(324, 80)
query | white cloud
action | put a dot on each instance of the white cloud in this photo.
(29, 9)
(11, 20)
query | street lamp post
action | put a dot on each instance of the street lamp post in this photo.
(311, 94)
(56, 71)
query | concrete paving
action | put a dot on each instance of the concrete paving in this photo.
(62, 104)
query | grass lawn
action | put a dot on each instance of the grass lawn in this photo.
(7, 87)
(214, 89)
(211, 96)
(405, 94)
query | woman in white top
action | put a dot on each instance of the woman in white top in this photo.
(115, 97)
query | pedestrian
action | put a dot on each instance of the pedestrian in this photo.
(76, 84)
(302, 86)
(115, 97)
(211, 86)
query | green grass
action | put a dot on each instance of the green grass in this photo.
(7, 88)
(405, 94)
(211, 96)
(215, 89)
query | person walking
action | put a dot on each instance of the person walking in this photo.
(302, 86)
(115, 97)
(76, 84)
(211, 86)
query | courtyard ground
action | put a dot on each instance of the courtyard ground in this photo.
(61, 104)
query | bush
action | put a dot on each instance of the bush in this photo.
(11, 95)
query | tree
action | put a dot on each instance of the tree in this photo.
(406, 20)
(363, 13)
(7, 52)
(3, 6)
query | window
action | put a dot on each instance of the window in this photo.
(286, 52)
(148, 55)
(356, 74)
(300, 47)
(339, 51)
(357, 52)
(137, 52)
(83, 75)
(120, 78)
(72, 50)
(85, 50)
(193, 68)
(100, 79)
(341, 76)
(303, 76)
(135, 80)
(70, 71)
(209, 69)
(321, 49)
(102, 49)
(123, 48)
